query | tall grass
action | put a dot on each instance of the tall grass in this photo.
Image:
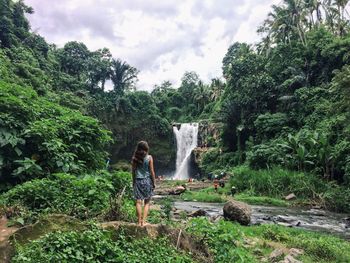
(277, 182)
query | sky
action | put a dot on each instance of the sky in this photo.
(161, 38)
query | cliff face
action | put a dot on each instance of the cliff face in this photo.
(162, 147)
(209, 134)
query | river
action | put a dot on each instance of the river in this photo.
(309, 219)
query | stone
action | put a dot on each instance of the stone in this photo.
(290, 197)
(276, 255)
(198, 213)
(178, 190)
(237, 211)
(179, 238)
(294, 252)
(289, 259)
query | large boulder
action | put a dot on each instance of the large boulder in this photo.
(237, 211)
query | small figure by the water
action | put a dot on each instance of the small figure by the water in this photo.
(216, 184)
(143, 180)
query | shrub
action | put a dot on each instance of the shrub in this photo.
(84, 197)
(222, 238)
(37, 135)
(96, 245)
(277, 182)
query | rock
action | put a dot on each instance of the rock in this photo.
(276, 255)
(237, 211)
(294, 252)
(179, 238)
(266, 218)
(178, 190)
(282, 219)
(197, 213)
(289, 259)
(46, 225)
(290, 196)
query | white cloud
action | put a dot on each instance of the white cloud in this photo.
(161, 38)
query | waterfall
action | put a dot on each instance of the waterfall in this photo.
(186, 141)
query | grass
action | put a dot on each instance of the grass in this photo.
(209, 195)
(260, 200)
(230, 242)
(203, 197)
(277, 183)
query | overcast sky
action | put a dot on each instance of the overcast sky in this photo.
(161, 38)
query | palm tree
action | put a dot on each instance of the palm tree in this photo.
(123, 76)
(216, 89)
(201, 95)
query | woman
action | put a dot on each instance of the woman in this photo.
(143, 180)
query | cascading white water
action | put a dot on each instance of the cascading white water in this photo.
(186, 141)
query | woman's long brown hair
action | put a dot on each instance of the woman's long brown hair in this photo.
(140, 153)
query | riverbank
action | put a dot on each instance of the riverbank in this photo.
(226, 241)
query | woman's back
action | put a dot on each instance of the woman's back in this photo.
(142, 170)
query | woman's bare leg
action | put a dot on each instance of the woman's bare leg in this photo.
(139, 211)
(145, 210)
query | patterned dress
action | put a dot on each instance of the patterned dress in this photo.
(143, 188)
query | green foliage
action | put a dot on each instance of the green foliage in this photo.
(317, 246)
(84, 197)
(214, 159)
(277, 183)
(222, 238)
(120, 180)
(37, 135)
(260, 200)
(96, 245)
(203, 197)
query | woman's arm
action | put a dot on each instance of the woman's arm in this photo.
(133, 172)
(153, 175)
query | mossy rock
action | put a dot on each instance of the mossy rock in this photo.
(45, 225)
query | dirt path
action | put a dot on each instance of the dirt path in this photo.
(5, 231)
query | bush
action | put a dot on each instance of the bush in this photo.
(96, 245)
(222, 238)
(277, 182)
(264, 155)
(214, 160)
(120, 180)
(62, 193)
(37, 135)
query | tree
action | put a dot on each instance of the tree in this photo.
(123, 76)
(99, 68)
(74, 59)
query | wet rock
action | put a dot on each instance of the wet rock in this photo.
(317, 212)
(298, 224)
(198, 213)
(290, 197)
(276, 255)
(178, 190)
(281, 219)
(266, 218)
(237, 211)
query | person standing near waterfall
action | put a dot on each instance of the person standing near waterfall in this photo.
(144, 178)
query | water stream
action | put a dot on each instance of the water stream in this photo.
(309, 219)
(186, 141)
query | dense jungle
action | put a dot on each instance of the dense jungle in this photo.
(277, 124)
